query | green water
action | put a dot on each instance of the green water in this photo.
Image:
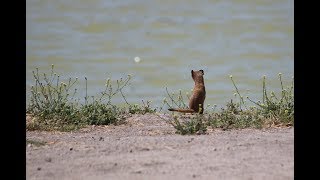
(100, 39)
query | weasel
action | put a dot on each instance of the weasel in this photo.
(198, 96)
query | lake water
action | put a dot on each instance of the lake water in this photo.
(99, 39)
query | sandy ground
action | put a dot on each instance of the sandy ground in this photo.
(146, 148)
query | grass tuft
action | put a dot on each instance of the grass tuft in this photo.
(53, 105)
(194, 125)
(141, 109)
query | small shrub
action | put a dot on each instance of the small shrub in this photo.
(233, 118)
(176, 100)
(50, 97)
(53, 108)
(141, 109)
(101, 114)
(195, 125)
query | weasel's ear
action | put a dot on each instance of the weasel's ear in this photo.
(202, 71)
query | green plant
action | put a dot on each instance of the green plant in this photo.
(49, 96)
(276, 110)
(194, 125)
(176, 100)
(232, 117)
(101, 111)
(54, 109)
(141, 109)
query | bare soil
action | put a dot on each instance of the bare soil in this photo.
(146, 147)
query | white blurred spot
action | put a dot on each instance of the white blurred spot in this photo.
(137, 59)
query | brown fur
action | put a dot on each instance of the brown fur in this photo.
(198, 96)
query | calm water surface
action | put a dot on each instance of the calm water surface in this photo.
(99, 39)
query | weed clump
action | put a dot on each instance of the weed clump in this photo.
(141, 109)
(53, 105)
(194, 125)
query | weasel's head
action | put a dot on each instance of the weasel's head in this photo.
(197, 76)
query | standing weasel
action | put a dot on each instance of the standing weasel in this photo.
(198, 96)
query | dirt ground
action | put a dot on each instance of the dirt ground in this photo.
(146, 148)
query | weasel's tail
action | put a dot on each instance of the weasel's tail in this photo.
(182, 110)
